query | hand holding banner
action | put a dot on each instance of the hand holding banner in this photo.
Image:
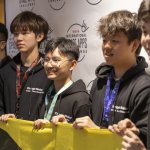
(62, 137)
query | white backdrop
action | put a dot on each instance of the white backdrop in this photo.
(74, 19)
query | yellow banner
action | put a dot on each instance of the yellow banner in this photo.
(20, 134)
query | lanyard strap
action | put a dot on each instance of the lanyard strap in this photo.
(19, 83)
(18, 77)
(109, 97)
(49, 112)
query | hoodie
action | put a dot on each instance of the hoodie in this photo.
(73, 102)
(5, 61)
(148, 134)
(32, 94)
(132, 99)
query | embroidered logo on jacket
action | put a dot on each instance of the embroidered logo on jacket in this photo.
(69, 118)
(120, 109)
(34, 90)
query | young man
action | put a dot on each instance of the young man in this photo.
(23, 81)
(65, 96)
(121, 89)
(126, 128)
(4, 59)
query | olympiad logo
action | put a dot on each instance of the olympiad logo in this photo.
(93, 2)
(12, 50)
(77, 33)
(56, 4)
(26, 5)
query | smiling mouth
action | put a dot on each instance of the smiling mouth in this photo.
(51, 70)
(108, 55)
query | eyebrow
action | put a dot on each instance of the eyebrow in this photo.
(53, 57)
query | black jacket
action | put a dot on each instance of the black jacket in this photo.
(4, 61)
(32, 94)
(148, 134)
(132, 99)
(73, 102)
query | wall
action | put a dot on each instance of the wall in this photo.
(76, 20)
(2, 18)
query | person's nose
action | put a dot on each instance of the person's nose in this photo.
(148, 37)
(50, 63)
(18, 37)
(107, 44)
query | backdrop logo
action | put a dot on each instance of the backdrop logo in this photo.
(93, 2)
(11, 47)
(77, 33)
(56, 4)
(26, 5)
(49, 36)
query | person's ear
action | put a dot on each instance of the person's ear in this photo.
(135, 45)
(40, 37)
(2, 45)
(73, 65)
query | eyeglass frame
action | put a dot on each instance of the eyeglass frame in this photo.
(53, 62)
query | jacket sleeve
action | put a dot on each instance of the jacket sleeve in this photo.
(82, 107)
(1, 97)
(139, 112)
(148, 137)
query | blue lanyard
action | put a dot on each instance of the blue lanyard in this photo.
(49, 112)
(109, 97)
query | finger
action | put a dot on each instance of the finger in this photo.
(126, 146)
(85, 122)
(37, 124)
(12, 116)
(1, 118)
(83, 118)
(62, 119)
(59, 118)
(4, 118)
(114, 128)
(129, 139)
(131, 134)
(124, 124)
(54, 120)
(77, 125)
(135, 130)
(80, 120)
(110, 128)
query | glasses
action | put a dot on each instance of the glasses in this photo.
(55, 62)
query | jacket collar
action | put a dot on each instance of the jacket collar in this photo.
(16, 61)
(103, 69)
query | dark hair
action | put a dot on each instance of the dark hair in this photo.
(66, 47)
(3, 32)
(144, 11)
(121, 21)
(29, 21)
